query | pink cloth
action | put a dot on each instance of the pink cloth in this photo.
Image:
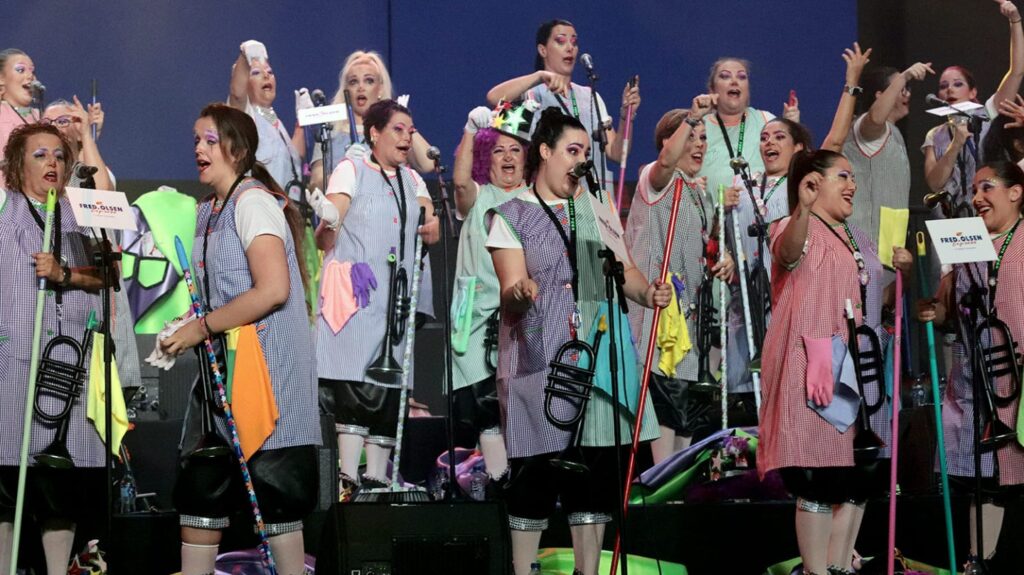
(819, 363)
(807, 302)
(337, 302)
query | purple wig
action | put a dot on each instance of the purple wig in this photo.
(483, 144)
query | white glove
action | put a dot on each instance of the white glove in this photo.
(158, 358)
(253, 50)
(403, 100)
(302, 100)
(478, 118)
(324, 208)
(356, 151)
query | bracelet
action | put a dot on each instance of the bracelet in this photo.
(1017, 21)
(65, 280)
(693, 122)
(206, 328)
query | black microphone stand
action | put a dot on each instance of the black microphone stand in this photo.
(323, 137)
(599, 136)
(971, 303)
(105, 259)
(614, 280)
(441, 203)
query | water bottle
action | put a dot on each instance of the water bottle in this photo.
(535, 568)
(918, 394)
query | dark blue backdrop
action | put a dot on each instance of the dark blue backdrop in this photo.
(158, 62)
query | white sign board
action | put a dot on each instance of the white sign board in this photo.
(961, 240)
(101, 209)
(322, 115)
(944, 111)
(610, 227)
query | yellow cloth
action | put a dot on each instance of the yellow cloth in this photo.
(673, 336)
(252, 397)
(892, 232)
(96, 403)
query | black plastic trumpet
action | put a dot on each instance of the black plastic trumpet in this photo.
(706, 327)
(63, 381)
(999, 358)
(211, 444)
(869, 369)
(491, 341)
(386, 366)
(574, 384)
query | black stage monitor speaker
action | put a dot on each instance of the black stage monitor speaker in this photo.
(442, 538)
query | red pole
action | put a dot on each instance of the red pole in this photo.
(645, 380)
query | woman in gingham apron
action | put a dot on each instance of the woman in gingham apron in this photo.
(377, 198)
(544, 244)
(681, 142)
(489, 167)
(998, 190)
(551, 86)
(244, 259)
(818, 264)
(37, 157)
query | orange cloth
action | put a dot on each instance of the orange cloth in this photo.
(252, 400)
(338, 302)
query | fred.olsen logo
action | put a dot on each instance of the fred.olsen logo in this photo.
(99, 208)
(961, 241)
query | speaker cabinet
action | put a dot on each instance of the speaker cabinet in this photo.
(449, 538)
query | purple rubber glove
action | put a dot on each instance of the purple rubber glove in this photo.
(363, 281)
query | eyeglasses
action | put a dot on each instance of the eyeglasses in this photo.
(60, 121)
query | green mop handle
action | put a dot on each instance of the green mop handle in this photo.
(30, 393)
(937, 401)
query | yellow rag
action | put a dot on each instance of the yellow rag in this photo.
(252, 397)
(96, 403)
(892, 232)
(673, 336)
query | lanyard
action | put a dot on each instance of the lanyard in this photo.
(764, 183)
(569, 240)
(698, 202)
(862, 273)
(572, 96)
(993, 267)
(20, 115)
(725, 135)
(215, 210)
(400, 202)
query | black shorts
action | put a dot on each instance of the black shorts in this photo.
(54, 494)
(837, 485)
(536, 486)
(362, 405)
(670, 398)
(476, 406)
(285, 481)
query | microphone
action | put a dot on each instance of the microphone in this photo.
(935, 198)
(434, 153)
(83, 171)
(318, 97)
(37, 87)
(935, 100)
(580, 170)
(588, 64)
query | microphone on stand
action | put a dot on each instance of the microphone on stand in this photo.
(936, 198)
(83, 171)
(434, 154)
(318, 97)
(586, 170)
(935, 100)
(37, 88)
(588, 65)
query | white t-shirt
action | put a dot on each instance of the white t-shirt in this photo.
(343, 179)
(501, 235)
(868, 147)
(257, 213)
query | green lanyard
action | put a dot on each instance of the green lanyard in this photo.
(575, 108)
(775, 186)
(862, 272)
(725, 135)
(993, 273)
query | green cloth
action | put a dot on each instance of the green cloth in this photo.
(169, 214)
(559, 561)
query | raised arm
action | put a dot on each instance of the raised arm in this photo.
(90, 151)
(672, 150)
(513, 89)
(1010, 84)
(873, 125)
(238, 97)
(937, 170)
(462, 176)
(791, 242)
(855, 62)
(630, 97)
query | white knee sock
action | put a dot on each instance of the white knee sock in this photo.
(492, 445)
(6, 546)
(289, 554)
(377, 461)
(57, 549)
(350, 451)
(198, 559)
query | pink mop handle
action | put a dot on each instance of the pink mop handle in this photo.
(627, 135)
(895, 422)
